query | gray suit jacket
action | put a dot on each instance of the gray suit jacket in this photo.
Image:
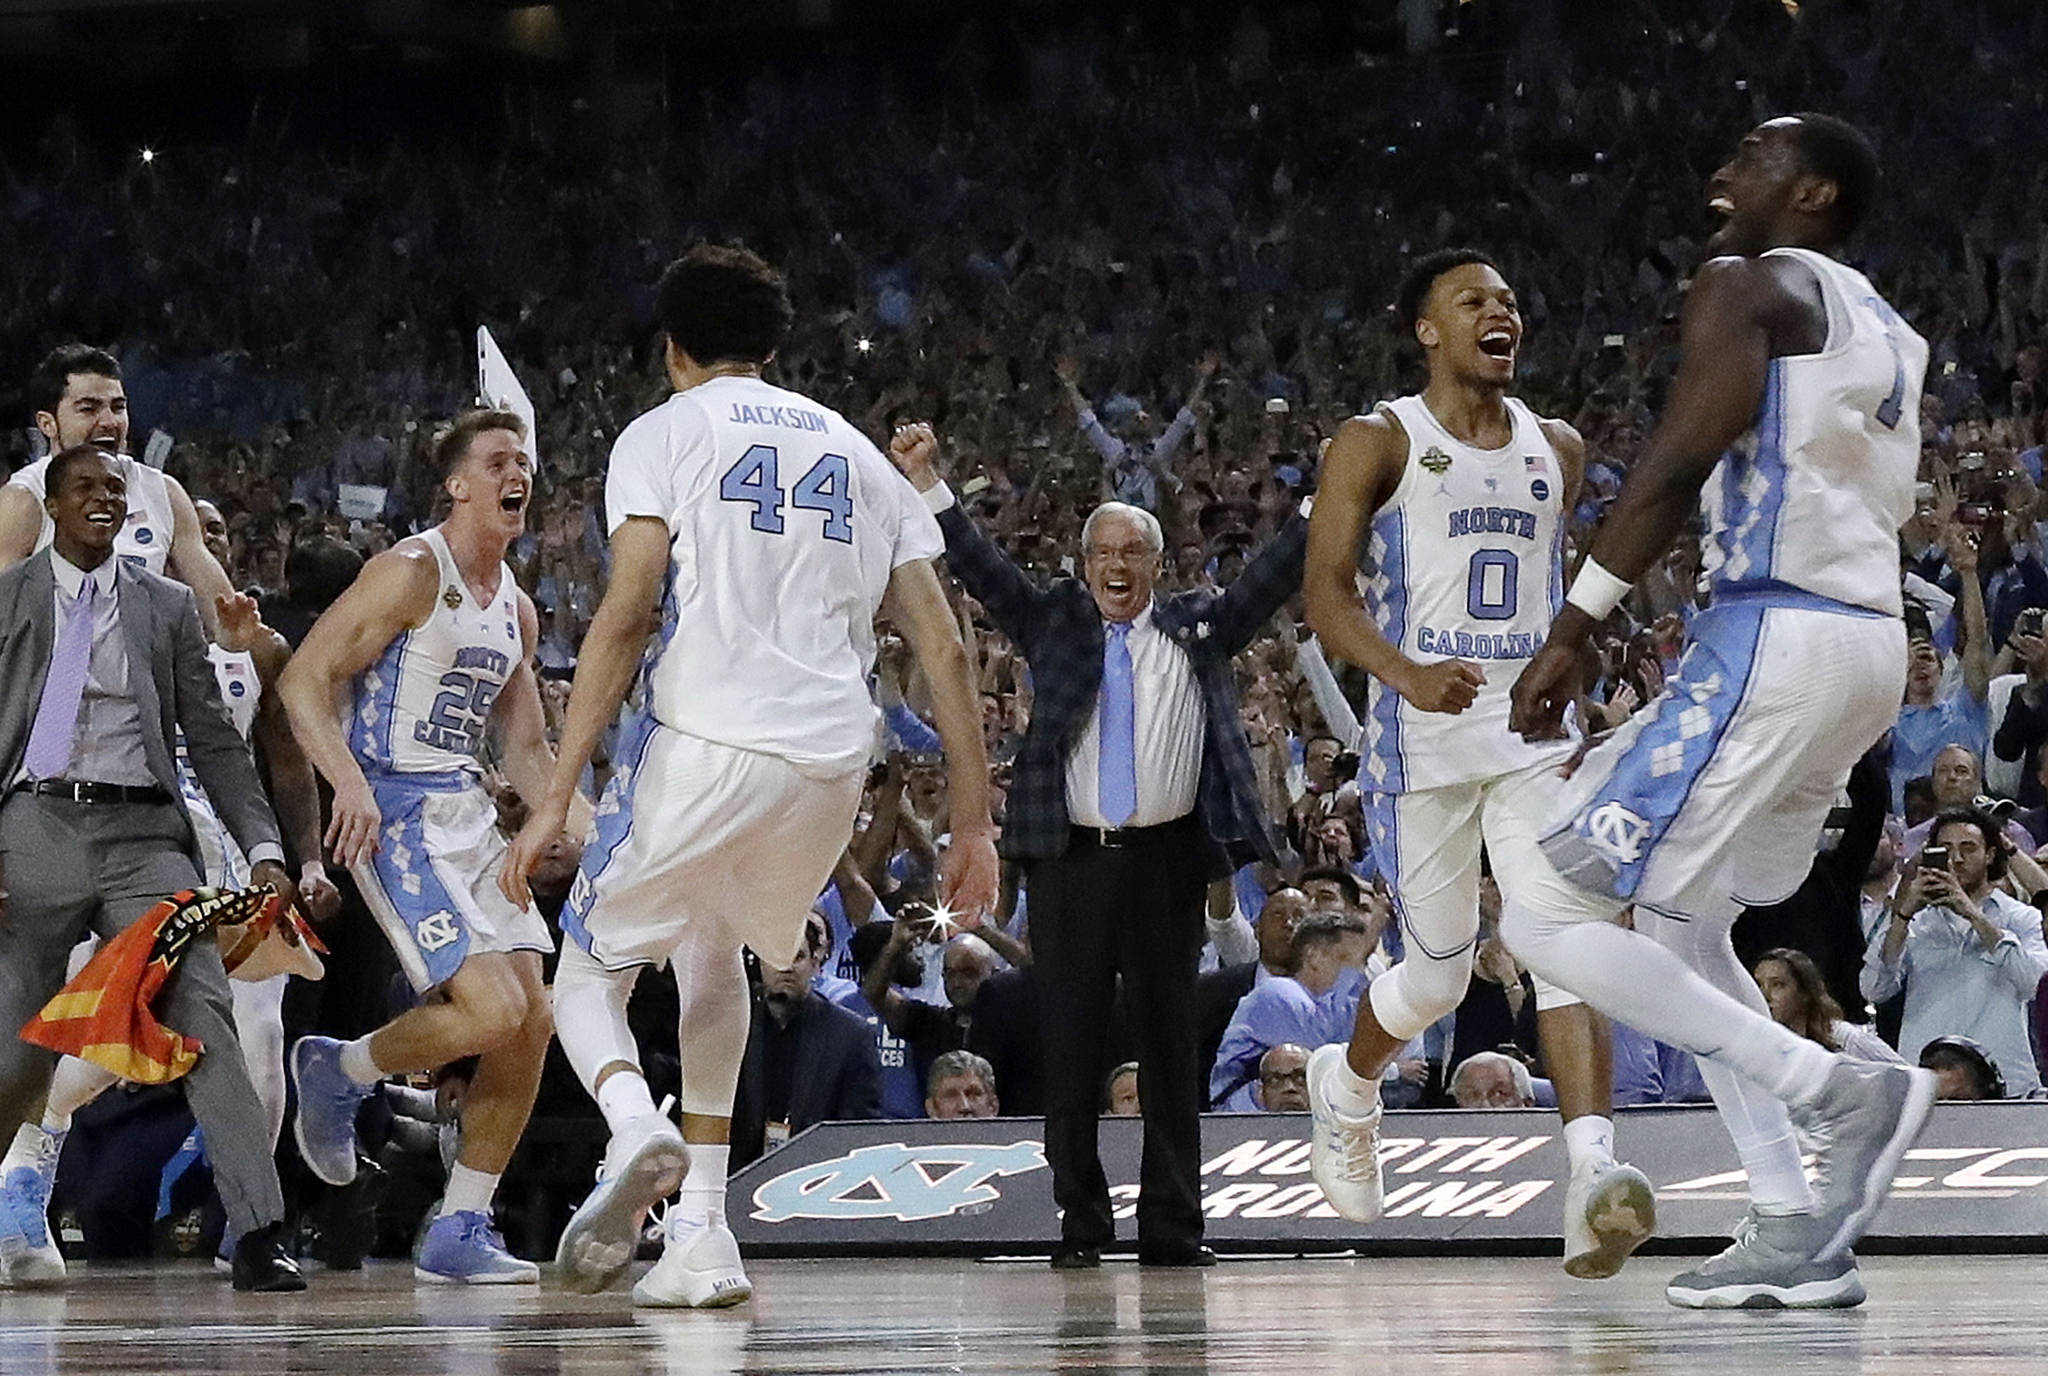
(178, 688)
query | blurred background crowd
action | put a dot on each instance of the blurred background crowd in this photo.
(1145, 252)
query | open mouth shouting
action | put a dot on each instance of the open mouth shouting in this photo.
(1498, 342)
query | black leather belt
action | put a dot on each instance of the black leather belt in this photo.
(86, 791)
(1120, 838)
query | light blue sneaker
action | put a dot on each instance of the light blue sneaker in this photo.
(325, 1124)
(464, 1249)
(28, 1254)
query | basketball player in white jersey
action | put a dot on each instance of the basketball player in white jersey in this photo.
(1458, 497)
(757, 533)
(79, 399)
(1796, 407)
(432, 647)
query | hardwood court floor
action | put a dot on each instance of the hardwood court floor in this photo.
(1925, 1315)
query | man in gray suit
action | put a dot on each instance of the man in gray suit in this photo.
(101, 664)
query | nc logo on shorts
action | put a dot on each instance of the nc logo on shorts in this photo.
(436, 931)
(1615, 831)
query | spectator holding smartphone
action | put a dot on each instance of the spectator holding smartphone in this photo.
(1967, 956)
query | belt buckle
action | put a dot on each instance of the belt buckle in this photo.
(1109, 838)
(77, 791)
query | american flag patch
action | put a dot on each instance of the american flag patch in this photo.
(1532, 463)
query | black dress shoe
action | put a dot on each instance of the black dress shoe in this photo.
(261, 1263)
(1177, 1254)
(1068, 1258)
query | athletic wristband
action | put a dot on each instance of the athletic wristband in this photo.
(1596, 592)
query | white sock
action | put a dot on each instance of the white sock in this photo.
(702, 1199)
(27, 1148)
(468, 1191)
(622, 1098)
(1351, 1094)
(358, 1064)
(1764, 1142)
(1589, 1142)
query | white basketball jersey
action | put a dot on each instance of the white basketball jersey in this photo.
(145, 538)
(784, 524)
(1812, 497)
(1465, 561)
(241, 691)
(423, 706)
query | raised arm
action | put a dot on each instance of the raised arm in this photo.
(1263, 587)
(1011, 599)
(394, 593)
(191, 562)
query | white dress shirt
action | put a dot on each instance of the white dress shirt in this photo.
(1169, 721)
(1170, 718)
(107, 747)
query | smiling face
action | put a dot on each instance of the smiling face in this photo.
(494, 483)
(213, 530)
(1471, 326)
(1758, 187)
(93, 410)
(1121, 564)
(88, 502)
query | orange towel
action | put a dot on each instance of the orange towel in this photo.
(104, 1015)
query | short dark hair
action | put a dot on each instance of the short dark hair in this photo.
(319, 569)
(47, 383)
(1987, 827)
(451, 445)
(1422, 275)
(1837, 150)
(66, 460)
(723, 303)
(1354, 892)
(867, 943)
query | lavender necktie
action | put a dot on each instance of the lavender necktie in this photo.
(50, 739)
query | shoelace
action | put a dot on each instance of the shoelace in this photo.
(1358, 1147)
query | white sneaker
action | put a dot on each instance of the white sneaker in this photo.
(1609, 1211)
(1344, 1150)
(644, 1164)
(699, 1269)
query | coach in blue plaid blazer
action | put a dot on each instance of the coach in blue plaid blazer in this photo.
(1123, 900)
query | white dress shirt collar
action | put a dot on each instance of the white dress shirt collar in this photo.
(71, 578)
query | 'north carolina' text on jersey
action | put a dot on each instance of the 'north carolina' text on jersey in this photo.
(423, 706)
(1812, 497)
(784, 525)
(1464, 561)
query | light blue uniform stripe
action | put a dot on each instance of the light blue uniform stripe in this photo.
(1392, 613)
(1610, 842)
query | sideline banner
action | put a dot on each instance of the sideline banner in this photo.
(1457, 1181)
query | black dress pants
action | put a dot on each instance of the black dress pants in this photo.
(1136, 910)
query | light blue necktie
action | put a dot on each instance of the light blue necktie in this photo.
(56, 725)
(1116, 780)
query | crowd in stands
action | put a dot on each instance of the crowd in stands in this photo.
(1158, 271)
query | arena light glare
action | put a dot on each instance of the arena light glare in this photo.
(148, 156)
(864, 344)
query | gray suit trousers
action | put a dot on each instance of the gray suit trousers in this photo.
(74, 868)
